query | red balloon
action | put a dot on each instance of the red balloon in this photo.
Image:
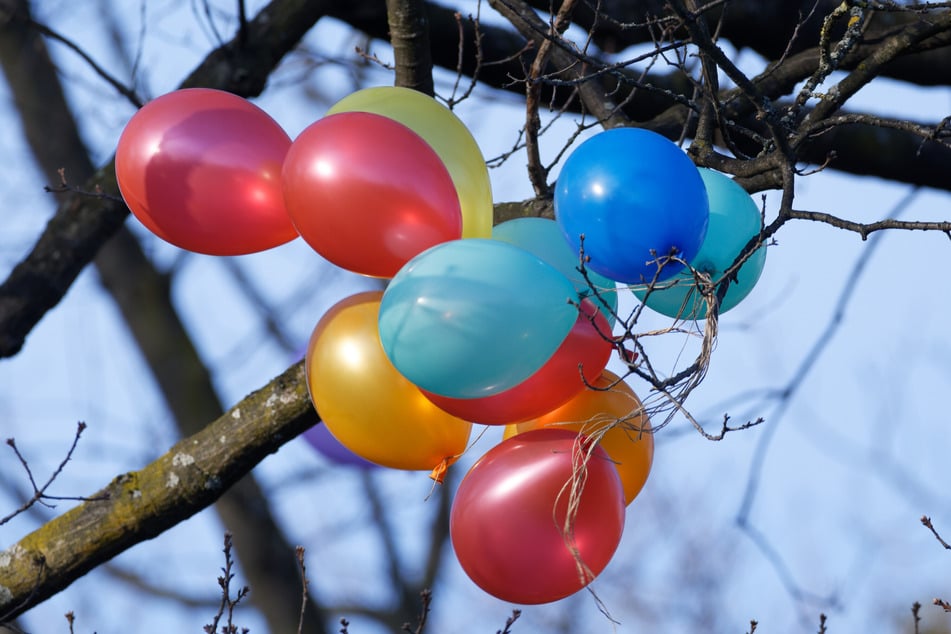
(201, 168)
(588, 344)
(368, 193)
(509, 513)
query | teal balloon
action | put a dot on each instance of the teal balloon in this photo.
(474, 317)
(543, 238)
(734, 221)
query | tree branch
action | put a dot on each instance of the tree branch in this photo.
(139, 505)
(82, 224)
(409, 36)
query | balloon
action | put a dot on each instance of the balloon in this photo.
(447, 135)
(588, 345)
(508, 518)
(635, 197)
(320, 438)
(368, 193)
(200, 168)
(734, 221)
(365, 403)
(472, 318)
(543, 237)
(630, 444)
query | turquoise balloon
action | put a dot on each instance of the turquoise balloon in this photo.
(734, 220)
(474, 317)
(543, 238)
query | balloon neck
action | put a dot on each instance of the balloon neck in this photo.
(707, 268)
(439, 471)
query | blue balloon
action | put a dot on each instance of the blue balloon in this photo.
(543, 238)
(471, 318)
(734, 221)
(636, 197)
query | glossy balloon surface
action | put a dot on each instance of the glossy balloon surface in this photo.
(447, 135)
(365, 403)
(595, 412)
(544, 238)
(324, 443)
(509, 514)
(472, 318)
(584, 352)
(734, 221)
(201, 169)
(368, 193)
(635, 196)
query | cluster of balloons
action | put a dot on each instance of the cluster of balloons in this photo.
(639, 208)
(495, 326)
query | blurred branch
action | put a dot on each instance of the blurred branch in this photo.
(783, 399)
(140, 505)
(149, 588)
(82, 224)
(144, 298)
(19, 14)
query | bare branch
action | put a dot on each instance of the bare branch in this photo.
(139, 505)
(39, 492)
(82, 224)
(926, 521)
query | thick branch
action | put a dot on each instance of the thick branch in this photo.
(409, 35)
(142, 504)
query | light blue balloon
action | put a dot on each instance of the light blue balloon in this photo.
(471, 318)
(635, 196)
(734, 220)
(543, 238)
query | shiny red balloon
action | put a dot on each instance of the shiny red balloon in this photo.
(587, 345)
(201, 169)
(509, 514)
(368, 193)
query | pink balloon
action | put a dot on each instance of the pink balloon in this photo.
(508, 517)
(368, 193)
(201, 169)
(584, 352)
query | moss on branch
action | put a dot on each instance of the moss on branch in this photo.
(139, 505)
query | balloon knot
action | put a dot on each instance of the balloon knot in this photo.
(439, 472)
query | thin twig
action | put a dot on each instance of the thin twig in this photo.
(299, 551)
(227, 603)
(39, 495)
(926, 521)
(509, 622)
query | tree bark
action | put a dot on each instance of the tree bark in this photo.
(409, 35)
(139, 505)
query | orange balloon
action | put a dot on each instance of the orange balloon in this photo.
(618, 417)
(366, 403)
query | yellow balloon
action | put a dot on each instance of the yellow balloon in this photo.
(449, 138)
(366, 403)
(630, 443)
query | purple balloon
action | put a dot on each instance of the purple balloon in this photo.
(320, 438)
